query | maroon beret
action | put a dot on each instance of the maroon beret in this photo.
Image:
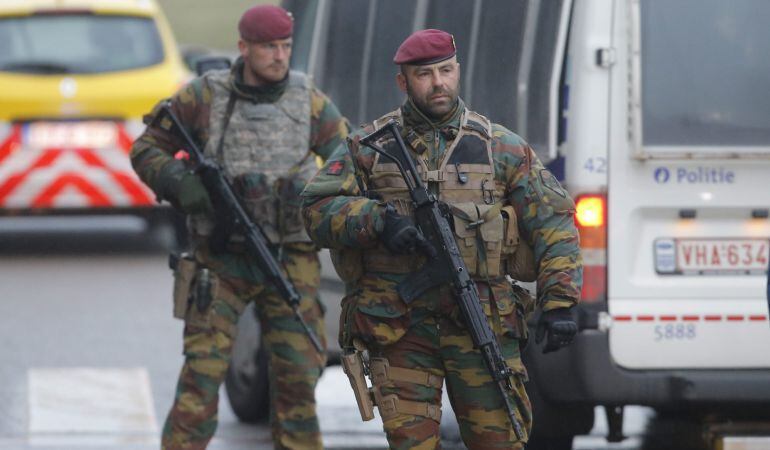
(426, 47)
(264, 23)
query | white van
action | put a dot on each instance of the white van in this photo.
(655, 114)
(666, 141)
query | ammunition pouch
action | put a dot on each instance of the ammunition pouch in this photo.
(275, 207)
(288, 192)
(479, 233)
(518, 257)
(521, 264)
(506, 304)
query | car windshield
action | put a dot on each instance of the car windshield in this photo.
(705, 72)
(78, 43)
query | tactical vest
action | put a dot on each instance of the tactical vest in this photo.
(485, 228)
(265, 153)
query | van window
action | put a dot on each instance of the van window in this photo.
(354, 63)
(705, 69)
(75, 43)
(498, 58)
(454, 17)
(393, 22)
(304, 12)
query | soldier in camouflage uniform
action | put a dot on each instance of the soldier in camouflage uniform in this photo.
(504, 204)
(264, 125)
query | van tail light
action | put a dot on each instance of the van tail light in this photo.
(591, 221)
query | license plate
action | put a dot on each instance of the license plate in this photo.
(89, 134)
(711, 256)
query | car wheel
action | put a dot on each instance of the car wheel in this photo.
(246, 381)
(555, 425)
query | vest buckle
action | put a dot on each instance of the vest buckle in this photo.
(461, 176)
(487, 194)
(434, 175)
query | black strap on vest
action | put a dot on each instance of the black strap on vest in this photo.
(225, 122)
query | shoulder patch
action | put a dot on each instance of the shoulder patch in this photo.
(550, 181)
(335, 168)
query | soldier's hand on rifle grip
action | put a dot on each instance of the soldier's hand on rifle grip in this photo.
(559, 326)
(399, 234)
(192, 196)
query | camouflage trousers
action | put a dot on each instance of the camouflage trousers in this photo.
(294, 364)
(430, 339)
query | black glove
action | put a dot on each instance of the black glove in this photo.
(560, 327)
(192, 196)
(183, 188)
(399, 233)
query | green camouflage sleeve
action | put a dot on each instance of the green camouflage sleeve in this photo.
(152, 154)
(545, 211)
(336, 214)
(328, 129)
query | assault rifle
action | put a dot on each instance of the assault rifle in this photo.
(227, 205)
(445, 264)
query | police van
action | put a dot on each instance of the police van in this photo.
(655, 114)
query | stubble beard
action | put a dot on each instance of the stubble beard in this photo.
(434, 112)
(269, 74)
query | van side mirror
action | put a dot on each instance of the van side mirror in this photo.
(207, 63)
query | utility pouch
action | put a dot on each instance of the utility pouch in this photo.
(353, 365)
(479, 233)
(521, 264)
(184, 266)
(289, 205)
(204, 291)
(518, 255)
(348, 263)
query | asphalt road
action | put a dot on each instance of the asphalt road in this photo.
(90, 352)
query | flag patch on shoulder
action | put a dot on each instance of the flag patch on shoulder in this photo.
(335, 168)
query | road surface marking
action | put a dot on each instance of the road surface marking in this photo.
(90, 400)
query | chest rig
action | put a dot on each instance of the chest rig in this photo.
(264, 151)
(463, 179)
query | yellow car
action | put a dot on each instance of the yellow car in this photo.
(76, 76)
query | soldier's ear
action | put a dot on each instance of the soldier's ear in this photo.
(243, 48)
(401, 81)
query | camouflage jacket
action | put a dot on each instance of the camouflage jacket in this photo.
(338, 216)
(155, 148)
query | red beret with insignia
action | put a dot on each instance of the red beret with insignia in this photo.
(265, 23)
(426, 47)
